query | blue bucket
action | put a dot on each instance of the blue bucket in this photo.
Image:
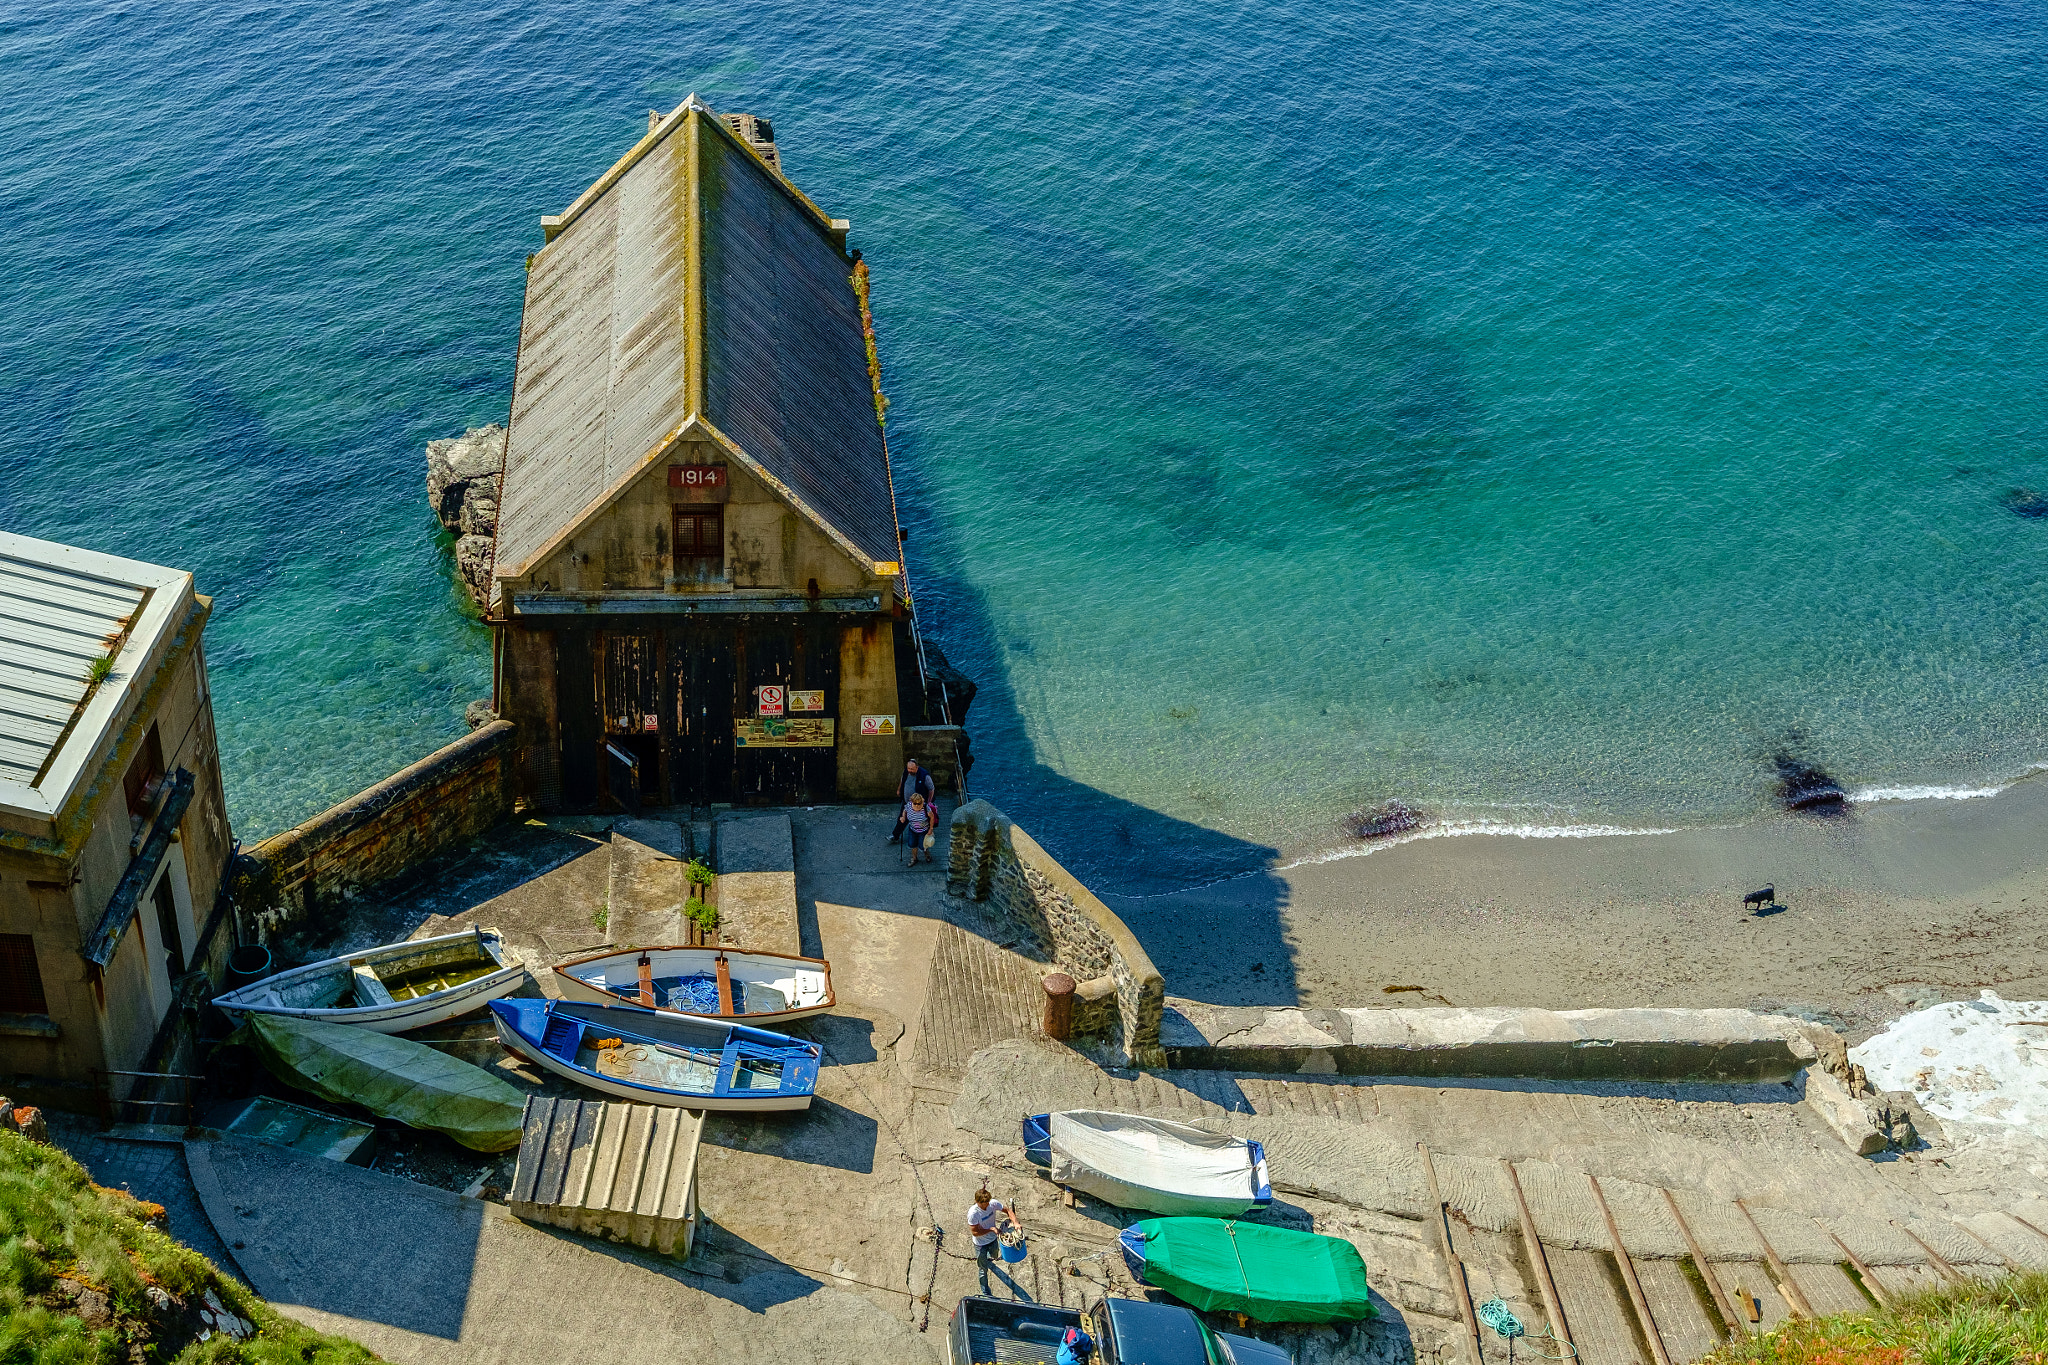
(1013, 1254)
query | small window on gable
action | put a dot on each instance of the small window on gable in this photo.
(21, 978)
(145, 774)
(700, 542)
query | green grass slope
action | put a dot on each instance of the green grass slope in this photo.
(85, 1279)
(2001, 1322)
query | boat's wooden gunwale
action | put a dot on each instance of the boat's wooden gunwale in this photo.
(577, 988)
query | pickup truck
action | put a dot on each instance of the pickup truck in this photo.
(989, 1331)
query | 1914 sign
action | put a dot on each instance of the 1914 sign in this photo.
(696, 476)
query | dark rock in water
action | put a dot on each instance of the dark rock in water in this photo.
(462, 488)
(1802, 786)
(2025, 502)
(1389, 818)
(478, 714)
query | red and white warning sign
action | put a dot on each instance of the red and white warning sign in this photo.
(771, 701)
(878, 725)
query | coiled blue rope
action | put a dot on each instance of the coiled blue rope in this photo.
(1494, 1313)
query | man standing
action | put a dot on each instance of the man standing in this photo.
(985, 1218)
(915, 779)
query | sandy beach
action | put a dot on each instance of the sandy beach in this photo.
(1893, 906)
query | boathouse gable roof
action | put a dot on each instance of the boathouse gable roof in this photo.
(692, 290)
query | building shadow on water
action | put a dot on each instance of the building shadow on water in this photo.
(1205, 904)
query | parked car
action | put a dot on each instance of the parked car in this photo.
(1126, 1332)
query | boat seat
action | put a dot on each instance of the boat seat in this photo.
(369, 990)
(563, 1037)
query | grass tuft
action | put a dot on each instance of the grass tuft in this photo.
(1998, 1322)
(55, 1223)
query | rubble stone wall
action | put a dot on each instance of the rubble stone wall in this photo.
(995, 861)
(447, 798)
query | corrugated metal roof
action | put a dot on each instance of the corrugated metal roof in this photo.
(605, 364)
(786, 367)
(61, 608)
(53, 623)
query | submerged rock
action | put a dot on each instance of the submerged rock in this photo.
(1388, 818)
(2025, 502)
(463, 474)
(1802, 786)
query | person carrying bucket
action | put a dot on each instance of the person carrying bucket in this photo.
(985, 1219)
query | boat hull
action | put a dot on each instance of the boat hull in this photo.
(571, 980)
(399, 1016)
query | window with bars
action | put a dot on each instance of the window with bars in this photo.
(700, 542)
(21, 979)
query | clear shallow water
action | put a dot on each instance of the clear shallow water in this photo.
(1546, 413)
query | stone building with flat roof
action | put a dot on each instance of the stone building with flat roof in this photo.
(697, 591)
(113, 826)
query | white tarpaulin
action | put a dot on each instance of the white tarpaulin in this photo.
(1971, 1061)
(1170, 1168)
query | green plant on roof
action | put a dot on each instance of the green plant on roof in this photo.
(602, 916)
(867, 327)
(703, 915)
(699, 872)
(100, 669)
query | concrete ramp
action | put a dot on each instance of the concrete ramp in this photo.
(645, 895)
(757, 884)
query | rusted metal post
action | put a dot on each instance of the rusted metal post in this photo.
(1707, 1275)
(1059, 1007)
(1795, 1297)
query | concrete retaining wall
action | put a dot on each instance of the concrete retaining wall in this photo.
(449, 797)
(994, 861)
(1609, 1045)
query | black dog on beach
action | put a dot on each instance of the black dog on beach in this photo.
(1758, 899)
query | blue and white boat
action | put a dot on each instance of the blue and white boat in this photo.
(658, 1057)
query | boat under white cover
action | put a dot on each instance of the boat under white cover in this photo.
(710, 983)
(391, 989)
(1136, 1162)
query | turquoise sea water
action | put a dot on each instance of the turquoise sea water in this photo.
(1545, 413)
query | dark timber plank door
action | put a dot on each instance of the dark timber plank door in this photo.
(701, 662)
(582, 730)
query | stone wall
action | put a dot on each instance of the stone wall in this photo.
(996, 862)
(454, 794)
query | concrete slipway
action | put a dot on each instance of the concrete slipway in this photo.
(815, 1241)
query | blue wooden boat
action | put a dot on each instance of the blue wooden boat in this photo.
(659, 1057)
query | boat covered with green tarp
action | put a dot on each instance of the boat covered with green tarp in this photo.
(392, 1077)
(1271, 1274)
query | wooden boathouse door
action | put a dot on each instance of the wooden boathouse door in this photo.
(704, 680)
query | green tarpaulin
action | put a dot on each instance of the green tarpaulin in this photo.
(1270, 1274)
(393, 1078)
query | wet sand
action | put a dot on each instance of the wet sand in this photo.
(1895, 905)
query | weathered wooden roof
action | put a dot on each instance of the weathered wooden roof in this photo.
(692, 286)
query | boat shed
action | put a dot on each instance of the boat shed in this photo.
(113, 823)
(697, 590)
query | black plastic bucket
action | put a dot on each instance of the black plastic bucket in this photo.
(251, 963)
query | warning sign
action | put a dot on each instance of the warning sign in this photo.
(771, 701)
(800, 700)
(878, 725)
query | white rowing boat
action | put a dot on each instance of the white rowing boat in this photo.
(1136, 1162)
(709, 983)
(392, 989)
